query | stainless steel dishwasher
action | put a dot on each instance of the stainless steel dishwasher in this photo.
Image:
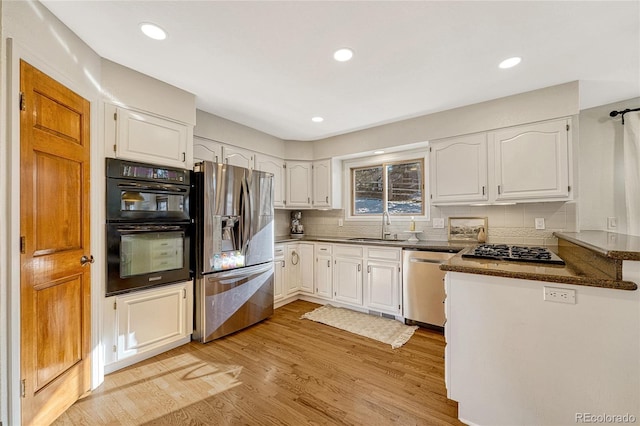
(422, 287)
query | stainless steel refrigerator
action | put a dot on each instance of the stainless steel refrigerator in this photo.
(234, 249)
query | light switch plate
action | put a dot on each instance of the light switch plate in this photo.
(438, 222)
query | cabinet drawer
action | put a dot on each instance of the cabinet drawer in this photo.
(391, 254)
(278, 252)
(347, 251)
(323, 249)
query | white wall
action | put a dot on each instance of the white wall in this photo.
(39, 38)
(222, 130)
(601, 167)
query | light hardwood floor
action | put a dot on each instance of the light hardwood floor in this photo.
(283, 371)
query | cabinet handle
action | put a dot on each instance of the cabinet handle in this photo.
(327, 199)
(283, 263)
(184, 156)
(328, 264)
(482, 189)
(308, 200)
(498, 189)
(368, 269)
(359, 267)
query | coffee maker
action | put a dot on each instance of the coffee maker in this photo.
(297, 229)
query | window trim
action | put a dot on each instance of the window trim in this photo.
(378, 160)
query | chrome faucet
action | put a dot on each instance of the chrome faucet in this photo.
(385, 223)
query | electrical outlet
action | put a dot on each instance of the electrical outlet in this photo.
(438, 222)
(612, 223)
(539, 222)
(560, 295)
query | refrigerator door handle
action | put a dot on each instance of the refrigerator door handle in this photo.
(246, 213)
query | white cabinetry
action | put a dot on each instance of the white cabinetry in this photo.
(322, 183)
(299, 184)
(347, 274)
(324, 271)
(383, 280)
(306, 267)
(137, 331)
(267, 163)
(238, 157)
(148, 138)
(206, 150)
(279, 272)
(459, 169)
(532, 162)
(292, 270)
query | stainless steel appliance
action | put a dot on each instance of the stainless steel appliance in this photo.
(148, 226)
(422, 287)
(513, 253)
(234, 249)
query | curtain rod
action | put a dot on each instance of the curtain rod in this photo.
(615, 113)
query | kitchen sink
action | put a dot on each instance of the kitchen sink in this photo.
(363, 240)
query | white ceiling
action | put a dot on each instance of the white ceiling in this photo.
(268, 65)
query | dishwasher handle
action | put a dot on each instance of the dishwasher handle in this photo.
(417, 259)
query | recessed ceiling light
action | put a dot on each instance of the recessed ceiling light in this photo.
(343, 55)
(511, 62)
(378, 152)
(153, 31)
(317, 119)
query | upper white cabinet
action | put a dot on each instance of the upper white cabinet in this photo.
(531, 162)
(322, 183)
(517, 164)
(238, 157)
(148, 138)
(299, 181)
(458, 168)
(206, 150)
(267, 163)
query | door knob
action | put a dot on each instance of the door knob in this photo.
(84, 260)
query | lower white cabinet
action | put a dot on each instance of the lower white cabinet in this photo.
(298, 268)
(347, 274)
(279, 273)
(323, 271)
(145, 323)
(383, 282)
(306, 267)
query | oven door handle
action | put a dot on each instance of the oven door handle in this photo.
(151, 187)
(150, 228)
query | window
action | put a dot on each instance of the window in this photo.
(396, 187)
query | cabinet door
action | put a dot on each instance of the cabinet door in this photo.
(206, 150)
(306, 267)
(324, 277)
(347, 280)
(459, 169)
(273, 165)
(150, 139)
(278, 279)
(298, 184)
(292, 268)
(237, 157)
(141, 329)
(383, 286)
(322, 183)
(532, 162)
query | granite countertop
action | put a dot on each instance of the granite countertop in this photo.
(608, 244)
(567, 274)
(420, 245)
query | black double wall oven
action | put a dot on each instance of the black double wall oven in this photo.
(148, 225)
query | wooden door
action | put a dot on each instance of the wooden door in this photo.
(54, 227)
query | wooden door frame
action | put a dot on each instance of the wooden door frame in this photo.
(10, 375)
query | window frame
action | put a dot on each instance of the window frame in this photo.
(383, 160)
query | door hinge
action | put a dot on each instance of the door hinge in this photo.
(399, 270)
(430, 149)
(23, 245)
(569, 188)
(431, 196)
(22, 103)
(567, 127)
(284, 166)
(115, 116)
(115, 305)
(23, 388)
(115, 148)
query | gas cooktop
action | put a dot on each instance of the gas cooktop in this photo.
(514, 253)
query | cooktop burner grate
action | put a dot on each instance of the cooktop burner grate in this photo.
(514, 253)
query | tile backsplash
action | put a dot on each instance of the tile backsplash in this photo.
(513, 224)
